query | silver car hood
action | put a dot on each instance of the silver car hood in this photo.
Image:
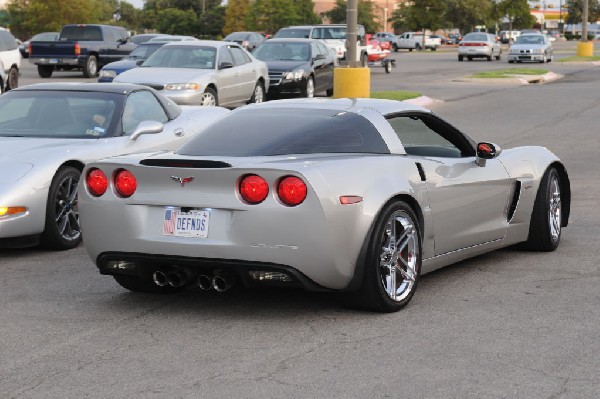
(162, 75)
(26, 149)
(527, 46)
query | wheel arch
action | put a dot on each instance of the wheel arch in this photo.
(358, 276)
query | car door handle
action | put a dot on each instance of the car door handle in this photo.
(179, 132)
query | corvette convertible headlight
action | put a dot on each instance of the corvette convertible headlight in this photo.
(182, 86)
(295, 75)
(108, 73)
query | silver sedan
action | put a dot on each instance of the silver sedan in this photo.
(479, 45)
(531, 47)
(203, 72)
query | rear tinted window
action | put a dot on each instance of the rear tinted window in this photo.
(264, 132)
(81, 33)
(292, 33)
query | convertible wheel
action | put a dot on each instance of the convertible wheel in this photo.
(140, 284)
(393, 261)
(91, 67)
(209, 98)
(258, 96)
(13, 79)
(309, 89)
(546, 222)
(62, 229)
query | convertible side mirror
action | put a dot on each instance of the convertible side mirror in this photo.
(146, 127)
(486, 151)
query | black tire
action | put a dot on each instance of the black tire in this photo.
(258, 95)
(510, 61)
(12, 81)
(308, 90)
(499, 56)
(434, 48)
(410, 49)
(329, 92)
(62, 230)
(364, 60)
(398, 222)
(91, 67)
(470, 58)
(387, 65)
(45, 71)
(546, 219)
(460, 58)
(489, 57)
(144, 284)
(395, 47)
(418, 47)
(210, 97)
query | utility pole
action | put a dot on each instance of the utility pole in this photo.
(351, 33)
(584, 21)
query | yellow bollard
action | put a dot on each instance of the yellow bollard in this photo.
(351, 83)
(585, 49)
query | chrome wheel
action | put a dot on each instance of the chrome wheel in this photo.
(554, 209)
(259, 95)
(310, 88)
(66, 209)
(399, 256)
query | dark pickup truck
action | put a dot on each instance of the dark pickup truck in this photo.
(84, 47)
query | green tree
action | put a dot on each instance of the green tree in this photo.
(271, 15)
(306, 12)
(365, 10)
(421, 14)
(211, 22)
(177, 22)
(28, 17)
(517, 13)
(235, 16)
(465, 15)
(575, 8)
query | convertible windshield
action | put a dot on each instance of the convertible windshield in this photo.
(201, 57)
(59, 114)
(283, 131)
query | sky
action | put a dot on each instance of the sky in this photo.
(136, 3)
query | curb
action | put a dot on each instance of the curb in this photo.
(515, 79)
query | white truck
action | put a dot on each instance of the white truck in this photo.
(414, 41)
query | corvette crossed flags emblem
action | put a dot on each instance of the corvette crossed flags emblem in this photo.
(182, 180)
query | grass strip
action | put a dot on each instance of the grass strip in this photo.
(395, 95)
(579, 58)
(509, 73)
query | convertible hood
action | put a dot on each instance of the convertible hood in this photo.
(24, 149)
(161, 76)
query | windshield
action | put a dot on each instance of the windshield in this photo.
(201, 57)
(530, 39)
(293, 33)
(329, 33)
(58, 114)
(283, 131)
(270, 51)
(144, 50)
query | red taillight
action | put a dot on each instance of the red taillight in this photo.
(96, 181)
(474, 44)
(29, 50)
(291, 190)
(253, 189)
(77, 49)
(125, 183)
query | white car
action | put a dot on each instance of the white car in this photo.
(203, 72)
(535, 47)
(10, 60)
(479, 45)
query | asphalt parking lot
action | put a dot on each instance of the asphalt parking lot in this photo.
(506, 324)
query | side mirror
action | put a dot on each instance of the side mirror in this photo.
(139, 62)
(486, 151)
(146, 127)
(320, 57)
(225, 65)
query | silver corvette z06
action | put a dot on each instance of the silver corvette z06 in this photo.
(356, 196)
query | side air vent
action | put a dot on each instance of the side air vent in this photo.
(185, 163)
(515, 200)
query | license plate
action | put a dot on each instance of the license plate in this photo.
(53, 61)
(193, 223)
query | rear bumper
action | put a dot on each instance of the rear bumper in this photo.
(145, 265)
(58, 61)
